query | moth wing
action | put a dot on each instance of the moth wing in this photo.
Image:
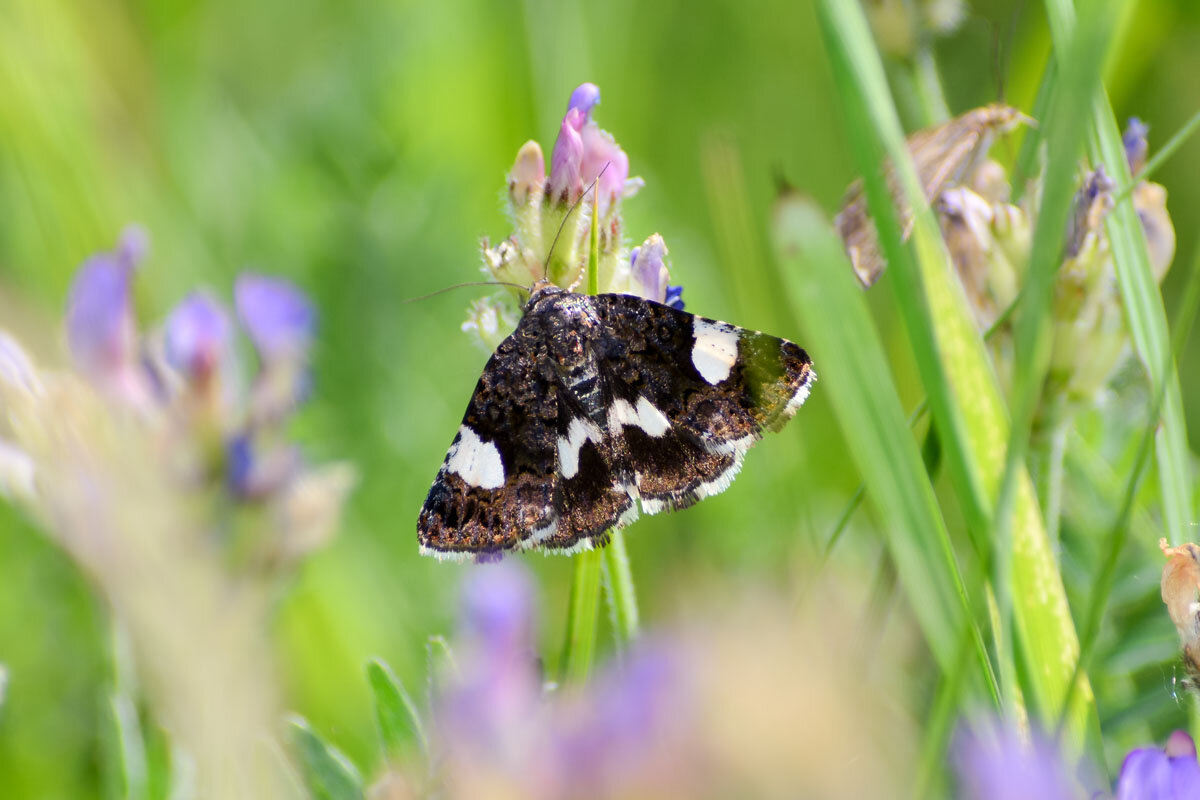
(594, 491)
(497, 485)
(690, 395)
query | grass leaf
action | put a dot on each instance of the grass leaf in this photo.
(395, 712)
(854, 371)
(964, 397)
(328, 774)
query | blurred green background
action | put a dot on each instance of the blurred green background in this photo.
(360, 148)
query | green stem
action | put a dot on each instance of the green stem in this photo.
(1047, 453)
(582, 614)
(622, 597)
(583, 610)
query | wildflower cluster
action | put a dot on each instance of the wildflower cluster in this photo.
(181, 389)
(166, 473)
(552, 218)
(990, 239)
(737, 706)
(996, 762)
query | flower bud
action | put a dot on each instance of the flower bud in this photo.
(1150, 200)
(277, 316)
(198, 333)
(584, 98)
(1137, 144)
(567, 160)
(1092, 202)
(101, 329)
(649, 270)
(491, 319)
(528, 177)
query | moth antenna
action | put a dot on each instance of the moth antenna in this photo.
(464, 285)
(571, 210)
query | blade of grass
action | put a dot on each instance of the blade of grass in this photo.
(1144, 310)
(833, 313)
(917, 415)
(1065, 130)
(963, 394)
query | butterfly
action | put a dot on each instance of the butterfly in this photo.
(943, 155)
(596, 405)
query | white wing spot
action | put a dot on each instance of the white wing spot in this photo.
(578, 432)
(801, 394)
(715, 350)
(644, 415)
(475, 461)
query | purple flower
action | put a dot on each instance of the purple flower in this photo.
(584, 98)
(497, 728)
(498, 610)
(567, 159)
(1091, 201)
(254, 472)
(995, 763)
(1168, 774)
(583, 153)
(674, 297)
(649, 270)
(632, 713)
(1137, 145)
(498, 689)
(101, 328)
(277, 316)
(603, 159)
(198, 334)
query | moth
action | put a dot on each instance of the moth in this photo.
(596, 405)
(944, 155)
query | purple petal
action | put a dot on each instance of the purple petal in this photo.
(198, 333)
(584, 98)
(674, 297)
(566, 160)
(134, 244)
(1137, 145)
(253, 472)
(1152, 774)
(649, 270)
(1180, 744)
(994, 763)
(498, 609)
(1145, 775)
(603, 159)
(632, 714)
(101, 330)
(278, 317)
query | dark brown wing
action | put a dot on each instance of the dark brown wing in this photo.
(689, 395)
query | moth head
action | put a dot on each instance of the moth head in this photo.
(1004, 118)
(539, 290)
